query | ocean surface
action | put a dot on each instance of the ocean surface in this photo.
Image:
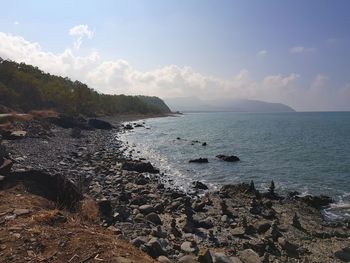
(304, 152)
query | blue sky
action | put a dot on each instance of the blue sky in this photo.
(295, 52)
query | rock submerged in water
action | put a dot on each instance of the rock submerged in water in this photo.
(140, 167)
(227, 158)
(199, 160)
(199, 185)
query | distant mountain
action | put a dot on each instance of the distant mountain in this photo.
(156, 103)
(239, 105)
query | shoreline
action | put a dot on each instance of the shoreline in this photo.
(236, 222)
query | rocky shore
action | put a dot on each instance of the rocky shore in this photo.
(238, 223)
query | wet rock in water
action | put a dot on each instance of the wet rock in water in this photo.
(128, 127)
(189, 247)
(154, 218)
(199, 185)
(316, 201)
(5, 167)
(138, 125)
(204, 144)
(100, 124)
(249, 256)
(154, 248)
(228, 158)
(199, 160)
(140, 167)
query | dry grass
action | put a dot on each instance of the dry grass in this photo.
(43, 113)
(41, 237)
(89, 210)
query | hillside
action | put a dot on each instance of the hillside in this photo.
(237, 105)
(25, 87)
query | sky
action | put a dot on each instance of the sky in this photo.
(295, 52)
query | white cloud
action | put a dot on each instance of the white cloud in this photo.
(79, 32)
(301, 49)
(118, 76)
(262, 53)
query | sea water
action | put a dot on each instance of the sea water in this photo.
(307, 152)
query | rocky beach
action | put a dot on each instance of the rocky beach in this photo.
(67, 161)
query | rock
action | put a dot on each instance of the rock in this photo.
(154, 218)
(105, 208)
(128, 127)
(290, 248)
(199, 185)
(69, 122)
(188, 259)
(21, 211)
(137, 242)
(238, 231)
(15, 135)
(224, 218)
(262, 226)
(140, 167)
(221, 258)
(226, 158)
(114, 230)
(343, 254)
(316, 201)
(2, 178)
(199, 160)
(204, 256)
(138, 125)
(189, 247)
(204, 144)
(75, 132)
(163, 259)
(146, 209)
(5, 167)
(154, 248)
(249, 256)
(100, 124)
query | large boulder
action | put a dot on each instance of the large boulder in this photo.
(228, 158)
(316, 201)
(100, 124)
(56, 188)
(199, 160)
(68, 122)
(140, 167)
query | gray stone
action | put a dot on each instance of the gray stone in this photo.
(204, 256)
(189, 247)
(154, 218)
(146, 209)
(188, 259)
(221, 258)
(21, 211)
(163, 259)
(154, 248)
(137, 242)
(249, 256)
(238, 231)
(343, 254)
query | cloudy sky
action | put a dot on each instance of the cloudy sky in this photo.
(295, 52)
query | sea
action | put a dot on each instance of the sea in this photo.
(308, 152)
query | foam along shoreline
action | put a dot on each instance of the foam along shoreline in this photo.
(238, 220)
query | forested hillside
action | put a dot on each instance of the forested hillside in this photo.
(25, 87)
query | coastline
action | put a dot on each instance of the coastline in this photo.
(235, 223)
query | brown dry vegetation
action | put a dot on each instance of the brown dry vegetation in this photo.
(47, 234)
